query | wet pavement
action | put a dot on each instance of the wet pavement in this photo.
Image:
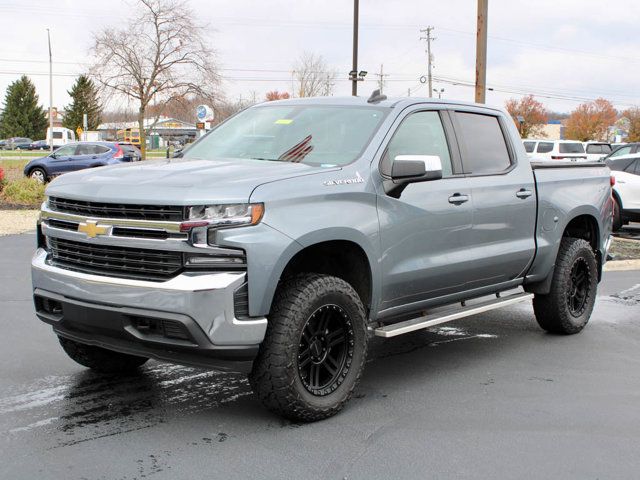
(491, 396)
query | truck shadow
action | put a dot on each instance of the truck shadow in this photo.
(87, 406)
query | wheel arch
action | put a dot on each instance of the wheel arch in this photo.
(342, 254)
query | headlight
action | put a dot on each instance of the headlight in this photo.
(233, 214)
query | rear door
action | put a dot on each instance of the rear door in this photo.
(425, 230)
(88, 155)
(502, 240)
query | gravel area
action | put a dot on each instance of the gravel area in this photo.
(17, 221)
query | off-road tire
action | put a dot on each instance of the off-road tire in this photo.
(275, 377)
(617, 216)
(553, 311)
(100, 359)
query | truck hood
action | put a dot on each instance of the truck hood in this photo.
(176, 181)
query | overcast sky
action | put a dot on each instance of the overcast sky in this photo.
(562, 51)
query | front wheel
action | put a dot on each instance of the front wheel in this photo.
(314, 350)
(567, 307)
(38, 174)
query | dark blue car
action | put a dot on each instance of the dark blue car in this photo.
(77, 156)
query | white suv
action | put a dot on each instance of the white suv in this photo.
(626, 191)
(555, 150)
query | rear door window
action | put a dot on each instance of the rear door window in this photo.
(545, 147)
(484, 147)
(100, 149)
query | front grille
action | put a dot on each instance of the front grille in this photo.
(118, 210)
(111, 261)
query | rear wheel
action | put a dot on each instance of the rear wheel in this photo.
(567, 307)
(38, 174)
(100, 359)
(314, 351)
(617, 216)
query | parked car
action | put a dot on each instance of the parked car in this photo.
(555, 150)
(39, 145)
(626, 191)
(18, 143)
(130, 151)
(3, 143)
(292, 232)
(76, 156)
(597, 151)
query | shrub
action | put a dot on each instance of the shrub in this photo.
(24, 191)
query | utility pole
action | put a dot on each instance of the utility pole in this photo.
(428, 39)
(50, 94)
(481, 51)
(381, 76)
(354, 68)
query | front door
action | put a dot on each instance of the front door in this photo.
(425, 231)
(61, 159)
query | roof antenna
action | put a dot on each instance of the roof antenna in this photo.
(376, 97)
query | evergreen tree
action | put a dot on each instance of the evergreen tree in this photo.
(84, 99)
(22, 116)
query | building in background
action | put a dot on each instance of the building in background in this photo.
(554, 130)
(160, 132)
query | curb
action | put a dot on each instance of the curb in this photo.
(621, 265)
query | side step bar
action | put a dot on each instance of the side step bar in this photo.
(453, 314)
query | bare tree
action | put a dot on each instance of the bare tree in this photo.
(313, 76)
(160, 55)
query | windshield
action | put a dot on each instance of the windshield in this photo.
(314, 135)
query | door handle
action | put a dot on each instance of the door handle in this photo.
(457, 198)
(523, 193)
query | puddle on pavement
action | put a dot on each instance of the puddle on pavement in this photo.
(86, 406)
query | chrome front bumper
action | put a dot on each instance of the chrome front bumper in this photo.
(204, 302)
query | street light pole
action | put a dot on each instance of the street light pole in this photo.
(50, 94)
(354, 68)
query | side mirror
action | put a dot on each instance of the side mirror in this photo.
(416, 168)
(53, 155)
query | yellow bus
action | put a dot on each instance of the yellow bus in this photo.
(130, 135)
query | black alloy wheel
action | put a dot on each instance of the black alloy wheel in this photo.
(579, 286)
(325, 351)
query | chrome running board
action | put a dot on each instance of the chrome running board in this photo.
(447, 316)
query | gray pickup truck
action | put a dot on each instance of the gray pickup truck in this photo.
(287, 237)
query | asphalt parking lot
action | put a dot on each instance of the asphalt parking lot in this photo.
(492, 396)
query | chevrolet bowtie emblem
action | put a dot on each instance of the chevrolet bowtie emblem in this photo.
(92, 229)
